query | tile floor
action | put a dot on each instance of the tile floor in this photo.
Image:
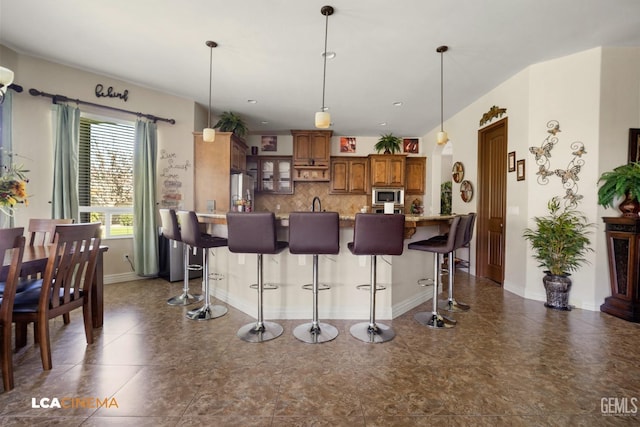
(509, 362)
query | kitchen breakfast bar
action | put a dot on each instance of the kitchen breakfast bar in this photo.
(231, 274)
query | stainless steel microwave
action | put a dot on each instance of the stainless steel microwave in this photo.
(380, 196)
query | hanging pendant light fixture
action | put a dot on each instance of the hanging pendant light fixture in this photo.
(442, 135)
(6, 78)
(209, 134)
(323, 119)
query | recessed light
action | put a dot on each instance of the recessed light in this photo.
(264, 122)
(252, 101)
(397, 104)
(329, 55)
(383, 123)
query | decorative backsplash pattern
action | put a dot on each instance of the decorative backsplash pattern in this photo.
(303, 197)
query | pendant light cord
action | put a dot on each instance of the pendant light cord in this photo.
(210, 77)
(441, 91)
(324, 54)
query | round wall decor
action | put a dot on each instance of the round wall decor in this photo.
(457, 172)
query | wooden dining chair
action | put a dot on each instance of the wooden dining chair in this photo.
(65, 286)
(42, 230)
(11, 239)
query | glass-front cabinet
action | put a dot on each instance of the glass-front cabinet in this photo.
(275, 175)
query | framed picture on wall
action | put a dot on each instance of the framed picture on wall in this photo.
(347, 144)
(410, 145)
(520, 170)
(269, 143)
(512, 161)
(634, 145)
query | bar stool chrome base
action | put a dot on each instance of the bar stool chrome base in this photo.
(377, 333)
(185, 299)
(318, 333)
(207, 312)
(434, 320)
(454, 306)
(254, 332)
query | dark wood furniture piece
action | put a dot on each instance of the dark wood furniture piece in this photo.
(34, 260)
(349, 175)
(416, 172)
(42, 230)
(623, 249)
(11, 247)
(66, 285)
(387, 170)
(311, 152)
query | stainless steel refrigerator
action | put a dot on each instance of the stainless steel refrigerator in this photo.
(242, 191)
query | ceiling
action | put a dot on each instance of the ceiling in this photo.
(270, 51)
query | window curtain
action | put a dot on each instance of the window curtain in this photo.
(6, 220)
(145, 232)
(65, 164)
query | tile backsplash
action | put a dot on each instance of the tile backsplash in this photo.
(303, 197)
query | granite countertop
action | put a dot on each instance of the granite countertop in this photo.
(343, 217)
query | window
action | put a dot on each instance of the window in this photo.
(106, 175)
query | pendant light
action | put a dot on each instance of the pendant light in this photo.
(6, 78)
(442, 135)
(323, 119)
(209, 134)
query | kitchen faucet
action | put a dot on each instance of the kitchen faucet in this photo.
(313, 204)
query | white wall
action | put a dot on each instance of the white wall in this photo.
(595, 95)
(33, 140)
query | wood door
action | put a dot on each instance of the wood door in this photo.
(396, 166)
(492, 195)
(339, 176)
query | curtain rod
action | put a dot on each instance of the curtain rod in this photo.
(62, 98)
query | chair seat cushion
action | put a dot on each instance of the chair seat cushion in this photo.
(209, 241)
(431, 245)
(27, 300)
(23, 285)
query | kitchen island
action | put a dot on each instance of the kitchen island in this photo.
(342, 272)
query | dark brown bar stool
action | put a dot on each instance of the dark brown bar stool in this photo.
(465, 231)
(314, 233)
(192, 236)
(376, 234)
(171, 230)
(437, 246)
(255, 233)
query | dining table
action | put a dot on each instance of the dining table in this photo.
(35, 259)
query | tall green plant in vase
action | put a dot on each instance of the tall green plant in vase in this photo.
(388, 143)
(560, 243)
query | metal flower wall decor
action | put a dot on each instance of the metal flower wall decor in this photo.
(569, 176)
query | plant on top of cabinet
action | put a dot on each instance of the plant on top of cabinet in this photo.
(389, 143)
(231, 122)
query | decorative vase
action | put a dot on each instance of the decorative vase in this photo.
(629, 206)
(557, 288)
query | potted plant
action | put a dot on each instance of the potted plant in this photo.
(231, 122)
(560, 243)
(623, 183)
(389, 143)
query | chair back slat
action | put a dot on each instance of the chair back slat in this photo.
(42, 230)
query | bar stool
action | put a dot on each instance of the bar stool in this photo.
(376, 234)
(255, 233)
(192, 236)
(314, 233)
(171, 231)
(439, 247)
(465, 231)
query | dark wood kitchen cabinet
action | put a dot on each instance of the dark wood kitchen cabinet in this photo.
(349, 175)
(311, 152)
(416, 172)
(387, 170)
(213, 163)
